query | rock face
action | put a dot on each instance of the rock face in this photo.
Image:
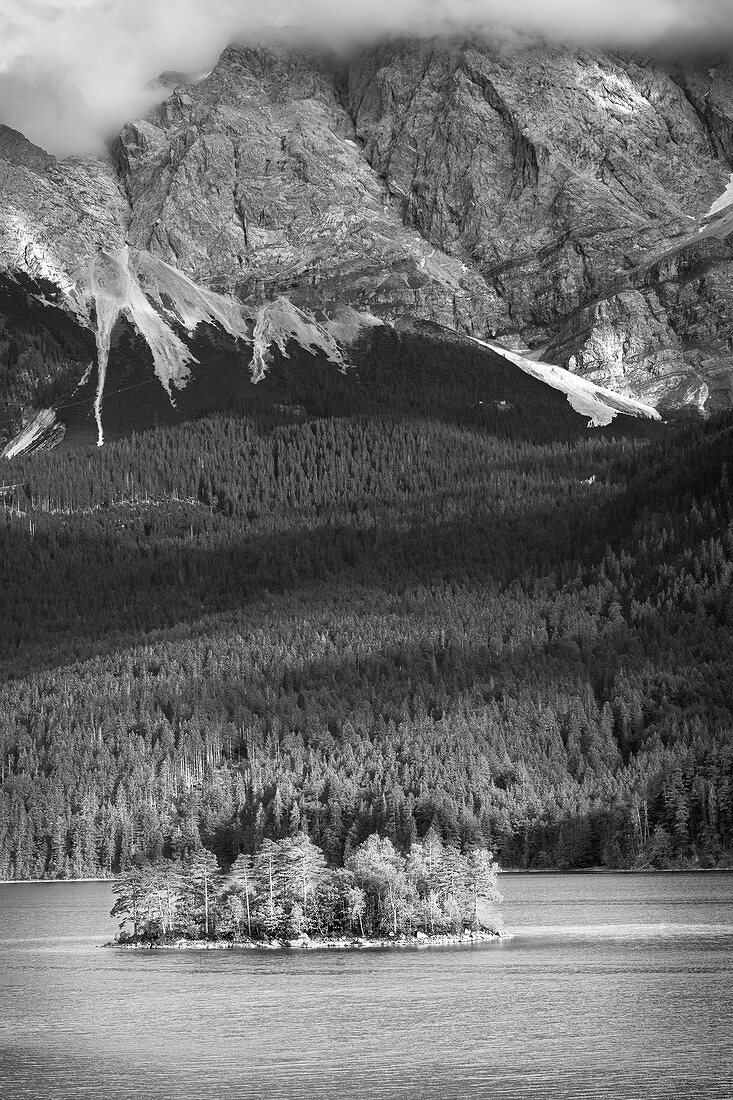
(570, 203)
(252, 182)
(577, 186)
(56, 214)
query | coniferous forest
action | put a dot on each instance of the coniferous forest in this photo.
(419, 595)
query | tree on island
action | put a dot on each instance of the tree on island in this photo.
(130, 889)
(424, 865)
(242, 886)
(479, 881)
(150, 896)
(201, 890)
(380, 871)
(286, 891)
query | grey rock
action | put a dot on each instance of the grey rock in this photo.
(553, 199)
(563, 177)
(252, 182)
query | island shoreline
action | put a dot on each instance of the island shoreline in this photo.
(351, 943)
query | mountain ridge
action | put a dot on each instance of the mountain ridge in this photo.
(546, 199)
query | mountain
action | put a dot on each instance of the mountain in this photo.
(386, 532)
(568, 204)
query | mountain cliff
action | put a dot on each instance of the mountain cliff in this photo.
(578, 186)
(567, 204)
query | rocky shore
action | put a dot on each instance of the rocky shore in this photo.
(347, 943)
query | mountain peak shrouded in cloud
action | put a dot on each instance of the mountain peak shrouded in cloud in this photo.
(71, 71)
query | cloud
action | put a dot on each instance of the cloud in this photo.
(71, 71)
(45, 103)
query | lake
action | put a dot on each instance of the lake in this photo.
(614, 985)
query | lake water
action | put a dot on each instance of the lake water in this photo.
(616, 986)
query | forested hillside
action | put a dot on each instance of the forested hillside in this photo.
(422, 594)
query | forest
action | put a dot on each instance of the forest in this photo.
(419, 595)
(285, 893)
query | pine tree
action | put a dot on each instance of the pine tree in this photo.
(241, 877)
(201, 882)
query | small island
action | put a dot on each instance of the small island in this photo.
(285, 895)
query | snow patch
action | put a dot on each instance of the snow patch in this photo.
(725, 200)
(596, 402)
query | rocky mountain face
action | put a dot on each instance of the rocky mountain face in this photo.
(567, 204)
(253, 183)
(577, 186)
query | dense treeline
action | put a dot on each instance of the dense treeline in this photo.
(286, 892)
(423, 612)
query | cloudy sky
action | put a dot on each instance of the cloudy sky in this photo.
(71, 71)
